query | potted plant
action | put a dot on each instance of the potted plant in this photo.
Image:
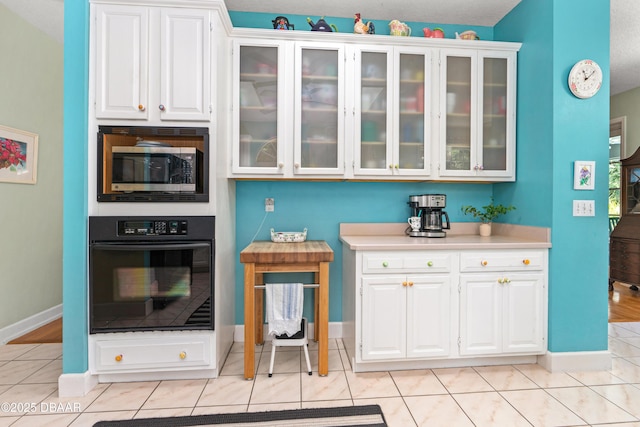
(487, 214)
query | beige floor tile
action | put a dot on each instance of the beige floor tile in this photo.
(541, 409)
(31, 394)
(51, 420)
(286, 361)
(590, 406)
(7, 421)
(417, 383)
(620, 348)
(489, 409)
(335, 361)
(625, 370)
(327, 403)
(47, 374)
(629, 326)
(43, 352)
(11, 351)
(82, 402)
(88, 419)
(263, 407)
(16, 371)
(281, 388)
(332, 344)
(346, 362)
(546, 379)
(367, 385)
(395, 411)
(226, 390)
(123, 396)
(234, 365)
(626, 396)
(617, 331)
(505, 377)
(157, 413)
(596, 377)
(332, 387)
(462, 380)
(175, 394)
(207, 410)
(437, 411)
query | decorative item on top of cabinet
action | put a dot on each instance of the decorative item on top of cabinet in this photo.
(282, 23)
(177, 41)
(360, 27)
(322, 25)
(397, 28)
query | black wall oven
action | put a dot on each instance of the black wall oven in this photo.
(151, 273)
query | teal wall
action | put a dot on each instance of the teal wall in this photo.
(74, 258)
(554, 129)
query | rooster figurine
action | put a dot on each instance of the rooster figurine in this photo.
(360, 27)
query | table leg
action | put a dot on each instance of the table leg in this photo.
(249, 320)
(316, 304)
(259, 309)
(323, 320)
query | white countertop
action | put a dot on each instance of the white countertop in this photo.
(462, 236)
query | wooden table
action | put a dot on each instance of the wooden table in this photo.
(267, 257)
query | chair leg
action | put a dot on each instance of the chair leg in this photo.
(273, 358)
(306, 356)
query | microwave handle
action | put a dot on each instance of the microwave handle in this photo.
(147, 247)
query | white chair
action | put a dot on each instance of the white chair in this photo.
(297, 339)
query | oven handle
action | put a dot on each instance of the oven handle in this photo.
(147, 247)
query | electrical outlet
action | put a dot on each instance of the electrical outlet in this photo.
(269, 204)
(584, 208)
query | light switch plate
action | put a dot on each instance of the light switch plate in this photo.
(584, 208)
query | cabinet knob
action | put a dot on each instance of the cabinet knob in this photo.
(397, 166)
(506, 280)
(410, 283)
(404, 284)
(161, 107)
(183, 355)
(526, 261)
(280, 165)
(296, 165)
(484, 263)
(385, 264)
(140, 107)
(118, 358)
(430, 264)
(390, 166)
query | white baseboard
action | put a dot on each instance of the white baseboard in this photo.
(335, 331)
(576, 361)
(76, 385)
(30, 323)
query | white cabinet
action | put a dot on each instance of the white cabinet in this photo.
(477, 110)
(152, 63)
(503, 305)
(408, 308)
(392, 111)
(288, 109)
(405, 316)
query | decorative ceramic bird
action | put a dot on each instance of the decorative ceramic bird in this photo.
(360, 27)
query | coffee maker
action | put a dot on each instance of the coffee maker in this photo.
(429, 208)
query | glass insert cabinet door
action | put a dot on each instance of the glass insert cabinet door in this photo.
(319, 109)
(495, 98)
(458, 105)
(411, 155)
(372, 107)
(257, 113)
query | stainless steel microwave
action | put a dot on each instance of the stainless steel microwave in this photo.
(152, 164)
(148, 168)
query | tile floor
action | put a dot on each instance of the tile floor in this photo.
(508, 395)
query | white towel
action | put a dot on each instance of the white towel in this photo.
(284, 307)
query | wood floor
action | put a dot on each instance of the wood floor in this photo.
(624, 306)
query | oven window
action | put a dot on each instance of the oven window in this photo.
(164, 286)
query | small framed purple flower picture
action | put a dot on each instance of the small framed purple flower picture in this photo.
(18, 156)
(584, 173)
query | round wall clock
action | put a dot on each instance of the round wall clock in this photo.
(585, 78)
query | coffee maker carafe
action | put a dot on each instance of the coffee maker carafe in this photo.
(433, 219)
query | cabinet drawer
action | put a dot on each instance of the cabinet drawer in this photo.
(407, 262)
(501, 261)
(119, 355)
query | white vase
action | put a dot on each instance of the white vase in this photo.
(485, 229)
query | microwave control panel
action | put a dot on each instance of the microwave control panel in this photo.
(152, 227)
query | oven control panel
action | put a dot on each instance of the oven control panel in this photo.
(152, 227)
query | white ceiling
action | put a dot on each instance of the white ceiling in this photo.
(48, 15)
